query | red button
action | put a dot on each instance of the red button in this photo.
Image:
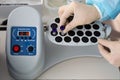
(16, 48)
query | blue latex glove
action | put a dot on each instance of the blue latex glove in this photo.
(108, 9)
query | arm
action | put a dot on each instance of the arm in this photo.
(108, 9)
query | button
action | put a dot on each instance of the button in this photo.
(16, 48)
(87, 26)
(54, 25)
(21, 37)
(88, 33)
(30, 48)
(85, 39)
(67, 39)
(71, 33)
(95, 26)
(80, 33)
(97, 33)
(58, 39)
(80, 27)
(76, 39)
(17, 37)
(57, 20)
(30, 37)
(53, 33)
(93, 39)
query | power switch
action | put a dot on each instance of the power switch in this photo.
(16, 48)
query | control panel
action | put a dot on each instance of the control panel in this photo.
(23, 40)
(25, 43)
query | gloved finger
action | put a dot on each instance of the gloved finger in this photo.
(61, 10)
(106, 43)
(104, 52)
(68, 12)
(70, 26)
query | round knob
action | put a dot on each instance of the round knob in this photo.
(30, 48)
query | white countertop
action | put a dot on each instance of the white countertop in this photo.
(78, 68)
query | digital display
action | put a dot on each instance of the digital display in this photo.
(24, 33)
